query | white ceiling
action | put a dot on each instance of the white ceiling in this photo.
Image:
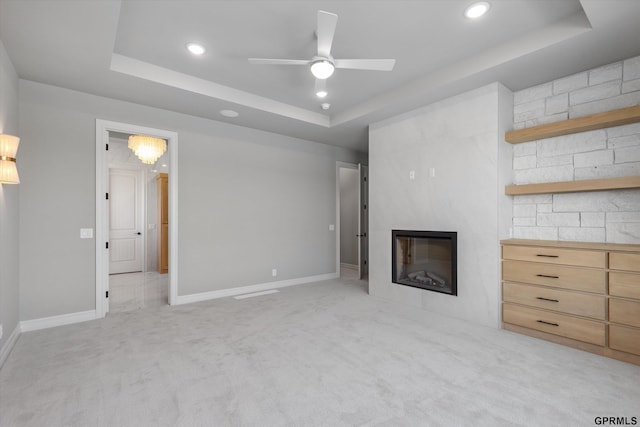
(135, 51)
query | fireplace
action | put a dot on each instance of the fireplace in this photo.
(425, 259)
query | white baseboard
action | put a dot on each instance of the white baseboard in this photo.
(8, 345)
(204, 296)
(348, 266)
(53, 321)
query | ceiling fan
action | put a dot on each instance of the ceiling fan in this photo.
(323, 64)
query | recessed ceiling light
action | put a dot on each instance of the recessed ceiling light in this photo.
(229, 113)
(195, 48)
(476, 10)
(325, 105)
(322, 94)
(164, 166)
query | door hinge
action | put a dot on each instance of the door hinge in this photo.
(107, 245)
(106, 294)
(106, 147)
(365, 179)
(107, 196)
(365, 207)
(365, 262)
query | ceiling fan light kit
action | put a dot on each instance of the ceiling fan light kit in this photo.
(322, 68)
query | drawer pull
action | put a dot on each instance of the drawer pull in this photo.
(547, 323)
(547, 256)
(547, 276)
(547, 299)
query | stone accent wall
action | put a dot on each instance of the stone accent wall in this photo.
(603, 216)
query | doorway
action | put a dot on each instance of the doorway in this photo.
(137, 277)
(127, 215)
(352, 220)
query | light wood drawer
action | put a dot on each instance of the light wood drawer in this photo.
(579, 258)
(624, 261)
(585, 330)
(554, 299)
(624, 311)
(624, 284)
(559, 276)
(624, 338)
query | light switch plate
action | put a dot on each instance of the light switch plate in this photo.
(86, 233)
(332, 227)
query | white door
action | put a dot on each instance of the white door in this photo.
(363, 221)
(126, 220)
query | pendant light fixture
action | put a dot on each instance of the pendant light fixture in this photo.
(8, 150)
(147, 148)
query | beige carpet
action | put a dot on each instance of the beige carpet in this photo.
(323, 354)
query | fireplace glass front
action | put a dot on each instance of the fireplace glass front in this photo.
(425, 259)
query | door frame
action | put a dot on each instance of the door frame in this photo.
(340, 165)
(103, 127)
(363, 221)
(142, 204)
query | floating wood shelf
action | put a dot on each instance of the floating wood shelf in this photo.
(574, 186)
(623, 116)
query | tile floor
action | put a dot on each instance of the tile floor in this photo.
(133, 291)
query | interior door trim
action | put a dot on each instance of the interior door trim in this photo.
(103, 127)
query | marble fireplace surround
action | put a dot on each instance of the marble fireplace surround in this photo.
(444, 167)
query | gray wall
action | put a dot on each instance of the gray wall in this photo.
(349, 183)
(463, 139)
(249, 201)
(9, 290)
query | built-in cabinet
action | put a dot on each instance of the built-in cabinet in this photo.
(162, 181)
(584, 295)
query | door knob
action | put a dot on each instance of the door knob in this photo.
(139, 233)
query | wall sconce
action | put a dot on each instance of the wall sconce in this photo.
(8, 150)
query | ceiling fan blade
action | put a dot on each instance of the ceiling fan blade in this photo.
(366, 64)
(326, 29)
(268, 61)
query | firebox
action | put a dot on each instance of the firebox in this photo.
(425, 259)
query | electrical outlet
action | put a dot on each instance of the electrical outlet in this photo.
(332, 227)
(86, 233)
(274, 272)
(412, 175)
